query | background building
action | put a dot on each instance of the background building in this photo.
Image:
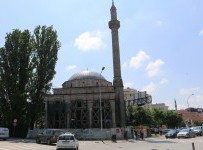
(134, 97)
(160, 106)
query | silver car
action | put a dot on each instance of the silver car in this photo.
(186, 133)
(198, 130)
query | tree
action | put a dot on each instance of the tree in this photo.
(173, 119)
(153, 118)
(46, 48)
(15, 72)
(159, 117)
(139, 116)
(27, 66)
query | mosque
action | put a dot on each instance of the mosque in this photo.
(87, 99)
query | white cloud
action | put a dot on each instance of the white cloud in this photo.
(150, 88)
(141, 57)
(201, 33)
(127, 84)
(71, 67)
(163, 81)
(188, 91)
(153, 68)
(88, 41)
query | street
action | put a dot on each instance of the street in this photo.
(152, 143)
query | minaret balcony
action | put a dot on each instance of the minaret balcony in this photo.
(114, 24)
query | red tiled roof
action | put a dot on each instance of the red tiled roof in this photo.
(190, 115)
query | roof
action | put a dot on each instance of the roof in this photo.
(86, 75)
(67, 133)
(190, 115)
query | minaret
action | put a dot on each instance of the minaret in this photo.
(114, 25)
(175, 105)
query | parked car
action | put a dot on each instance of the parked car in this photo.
(4, 133)
(164, 131)
(171, 133)
(186, 133)
(198, 130)
(49, 136)
(67, 141)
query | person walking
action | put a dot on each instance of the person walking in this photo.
(135, 134)
(142, 134)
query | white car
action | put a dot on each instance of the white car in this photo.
(67, 141)
(4, 133)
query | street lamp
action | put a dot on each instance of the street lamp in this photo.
(190, 118)
(100, 106)
(188, 99)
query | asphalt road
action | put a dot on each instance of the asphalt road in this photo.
(153, 143)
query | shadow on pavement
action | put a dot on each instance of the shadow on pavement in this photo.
(159, 141)
(151, 141)
(26, 141)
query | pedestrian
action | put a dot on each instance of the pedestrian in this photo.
(160, 131)
(132, 133)
(135, 134)
(142, 134)
(156, 131)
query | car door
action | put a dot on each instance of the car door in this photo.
(42, 135)
(49, 133)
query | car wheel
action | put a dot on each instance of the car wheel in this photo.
(4, 139)
(48, 142)
(37, 141)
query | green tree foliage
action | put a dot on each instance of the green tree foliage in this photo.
(158, 117)
(153, 118)
(139, 116)
(173, 119)
(27, 66)
(46, 48)
(15, 72)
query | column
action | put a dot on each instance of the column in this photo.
(90, 104)
(113, 114)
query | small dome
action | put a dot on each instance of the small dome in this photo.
(86, 75)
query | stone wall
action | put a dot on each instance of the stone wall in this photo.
(89, 134)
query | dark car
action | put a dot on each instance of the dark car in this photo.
(49, 136)
(171, 133)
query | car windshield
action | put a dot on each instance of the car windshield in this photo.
(66, 137)
(171, 131)
(185, 130)
(59, 132)
(196, 128)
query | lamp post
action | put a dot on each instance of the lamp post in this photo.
(188, 108)
(100, 103)
(188, 100)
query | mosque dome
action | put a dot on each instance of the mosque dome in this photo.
(86, 75)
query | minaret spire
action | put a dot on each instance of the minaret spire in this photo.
(113, 12)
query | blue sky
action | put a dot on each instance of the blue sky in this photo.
(161, 42)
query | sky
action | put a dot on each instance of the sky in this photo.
(161, 42)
